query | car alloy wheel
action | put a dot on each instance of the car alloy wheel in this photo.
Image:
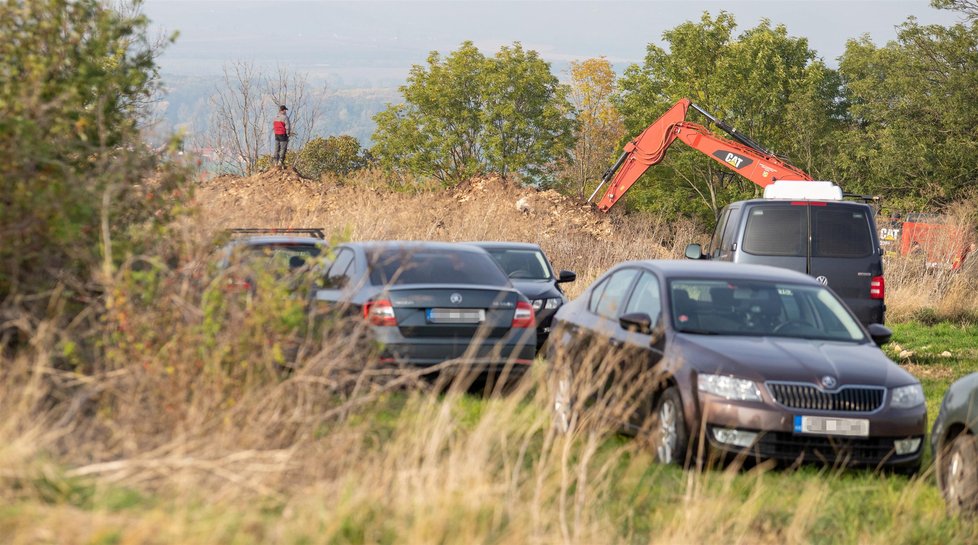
(959, 474)
(670, 428)
(562, 381)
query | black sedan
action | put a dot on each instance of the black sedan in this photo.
(531, 272)
(955, 442)
(429, 302)
(744, 360)
(282, 257)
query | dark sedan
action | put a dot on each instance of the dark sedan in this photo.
(955, 443)
(282, 257)
(753, 361)
(531, 272)
(429, 302)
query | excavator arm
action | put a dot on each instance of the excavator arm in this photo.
(743, 156)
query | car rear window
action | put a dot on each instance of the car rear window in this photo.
(427, 266)
(777, 230)
(840, 231)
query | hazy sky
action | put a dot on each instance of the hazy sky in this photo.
(369, 43)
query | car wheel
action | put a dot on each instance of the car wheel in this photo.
(958, 473)
(563, 400)
(669, 434)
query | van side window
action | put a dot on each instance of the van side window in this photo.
(777, 230)
(613, 298)
(718, 232)
(730, 231)
(840, 231)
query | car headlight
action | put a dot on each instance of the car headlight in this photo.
(729, 387)
(906, 397)
(548, 304)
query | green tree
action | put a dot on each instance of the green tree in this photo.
(914, 109)
(968, 7)
(74, 194)
(468, 114)
(762, 82)
(339, 155)
(599, 123)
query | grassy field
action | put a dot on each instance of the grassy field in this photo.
(415, 467)
(183, 430)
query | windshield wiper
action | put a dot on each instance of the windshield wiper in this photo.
(699, 331)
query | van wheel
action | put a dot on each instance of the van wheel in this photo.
(669, 434)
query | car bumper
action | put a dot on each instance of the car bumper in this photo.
(487, 355)
(777, 439)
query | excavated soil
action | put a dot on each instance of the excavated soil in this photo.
(575, 234)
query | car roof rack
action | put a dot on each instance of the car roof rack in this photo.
(314, 232)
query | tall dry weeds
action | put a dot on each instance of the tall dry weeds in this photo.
(191, 417)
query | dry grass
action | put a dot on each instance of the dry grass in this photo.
(574, 235)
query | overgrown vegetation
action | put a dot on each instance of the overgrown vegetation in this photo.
(80, 192)
(142, 401)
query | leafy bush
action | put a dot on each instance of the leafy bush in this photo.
(338, 155)
(77, 194)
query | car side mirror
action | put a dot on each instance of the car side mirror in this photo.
(566, 276)
(879, 333)
(636, 321)
(694, 251)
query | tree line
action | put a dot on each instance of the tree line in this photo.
(898, 119)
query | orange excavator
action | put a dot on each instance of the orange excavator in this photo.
(741, 155)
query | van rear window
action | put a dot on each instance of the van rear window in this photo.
(777, 230)
(840, 231)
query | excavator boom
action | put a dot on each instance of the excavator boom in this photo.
(744, 156)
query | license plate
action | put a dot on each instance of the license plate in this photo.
(455, 315)
(824, 425)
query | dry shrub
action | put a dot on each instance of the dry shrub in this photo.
(338, 451)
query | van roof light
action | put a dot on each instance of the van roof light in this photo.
(803, 190)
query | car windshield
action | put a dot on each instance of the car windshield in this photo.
(402, 266)
(522, 264)
(746, 307)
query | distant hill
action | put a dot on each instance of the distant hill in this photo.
(186, 106)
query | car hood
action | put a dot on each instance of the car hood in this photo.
(790, 359)
(535, 289)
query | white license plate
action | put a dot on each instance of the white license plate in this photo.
(824, 425)
(456, 315)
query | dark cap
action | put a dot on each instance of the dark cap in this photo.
(282, 107)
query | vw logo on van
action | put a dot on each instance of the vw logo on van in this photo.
(455, 298)
(822, 280)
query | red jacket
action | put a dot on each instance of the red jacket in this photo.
(281, 124)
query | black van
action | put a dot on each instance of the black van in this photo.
(834, 241)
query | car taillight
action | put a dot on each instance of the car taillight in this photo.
(877, 288)
(524, 316)
(380, 313)
(237, 284)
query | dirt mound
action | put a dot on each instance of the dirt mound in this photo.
(575, 234)
(552, 210)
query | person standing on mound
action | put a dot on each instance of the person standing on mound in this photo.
(282, 129)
